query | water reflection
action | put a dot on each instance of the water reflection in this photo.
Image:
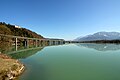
(22, 54)
(22, 51)
(101, 47)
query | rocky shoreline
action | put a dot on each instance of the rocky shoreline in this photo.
(10, 68)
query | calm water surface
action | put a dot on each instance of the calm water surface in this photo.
(73, 62)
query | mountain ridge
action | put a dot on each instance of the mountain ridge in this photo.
(100, 36)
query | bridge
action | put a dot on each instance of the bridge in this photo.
(72, 41)
(28, 41)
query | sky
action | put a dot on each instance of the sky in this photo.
(65, 19)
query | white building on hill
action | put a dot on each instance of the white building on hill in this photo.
(17, 26)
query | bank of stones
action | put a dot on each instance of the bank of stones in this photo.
(10, 68)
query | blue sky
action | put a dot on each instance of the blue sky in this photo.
(65, 19)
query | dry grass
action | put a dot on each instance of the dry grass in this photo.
(8, 67)
(6, 63)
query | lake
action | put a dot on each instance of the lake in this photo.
(72, 62)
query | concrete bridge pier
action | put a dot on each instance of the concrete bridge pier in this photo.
(55, 42)
(16, 44)
(41, 42)
(51, 42)
(26, 43)
(59, 42)
(36, 42)
(48, 42)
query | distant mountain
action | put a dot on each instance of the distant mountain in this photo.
(9, 29)
(100, 36)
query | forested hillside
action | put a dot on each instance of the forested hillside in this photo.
(9, 29)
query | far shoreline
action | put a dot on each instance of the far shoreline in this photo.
(97, 41)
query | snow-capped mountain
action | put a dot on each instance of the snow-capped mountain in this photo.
(100, 36)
